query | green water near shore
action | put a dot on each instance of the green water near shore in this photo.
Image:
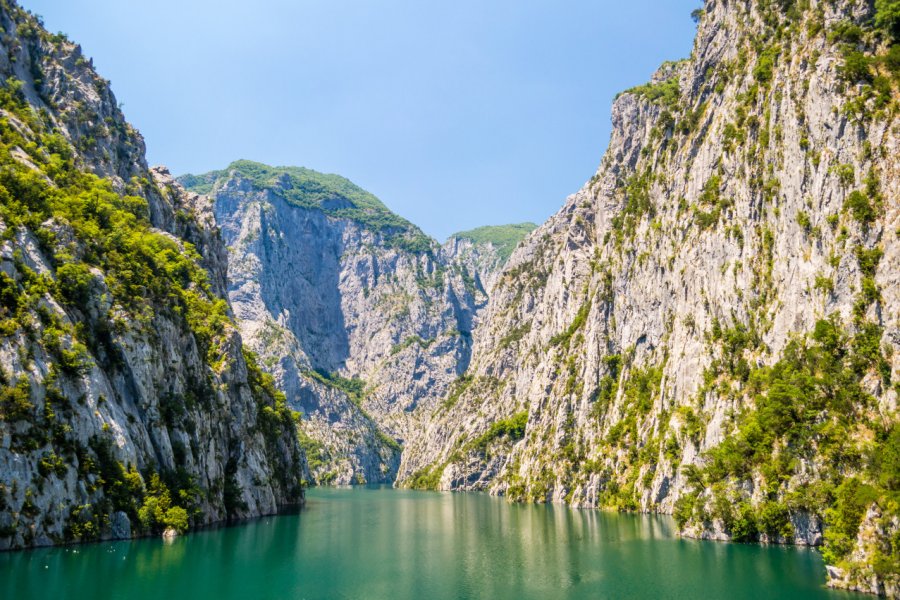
(378, 543)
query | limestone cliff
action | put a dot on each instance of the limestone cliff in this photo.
(363, 320)
(709, 327)
(126, 402)
(479, 255)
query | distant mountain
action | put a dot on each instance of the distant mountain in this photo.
(333, 195)
(503, 238)
(479, 255)
(363, 320)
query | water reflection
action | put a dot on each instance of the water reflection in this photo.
(383, 543)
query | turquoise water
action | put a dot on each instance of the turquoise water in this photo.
(393, 544)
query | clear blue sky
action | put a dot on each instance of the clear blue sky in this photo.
(456, 114)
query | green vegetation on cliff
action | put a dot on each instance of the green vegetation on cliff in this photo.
(504, 238)
(332, 194)
(87, 269)
(809, 408)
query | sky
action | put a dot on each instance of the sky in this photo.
(455, 114)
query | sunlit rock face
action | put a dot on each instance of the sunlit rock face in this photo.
(362, 319)
(103, 386)
(663, 336)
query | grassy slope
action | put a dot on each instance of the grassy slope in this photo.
(505, 238)
(332, 194)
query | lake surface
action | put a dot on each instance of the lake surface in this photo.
(369, 542)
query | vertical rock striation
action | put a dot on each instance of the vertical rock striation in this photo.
(362, 319)
(480, 254)
(127, 405)
(709, 327)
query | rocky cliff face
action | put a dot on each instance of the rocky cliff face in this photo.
(709, 327)
(126, 402)
(479, 255)
(362, 319)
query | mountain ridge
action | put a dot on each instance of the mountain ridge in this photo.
(708, 328)
(361, 318)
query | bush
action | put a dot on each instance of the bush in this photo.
(859, 206)
(51, 463)
(154, 512)
(176, 518)
(426, 478)
(74, 282)
(74, 360)
(887, 16)
(513, 428)
(642, 387)
(846, 174)
(9, 295)
(744, 528)
(774, 520)
(684, 509)
(852, 499)
(665, 93)
(15, 402)
(892, 60)
(150, 514)
(706, 220)
(856, 67)
(828, 334)
(846, 32)
(604, 395)
(888, 462)
(765, 66)
(868, 260)
(124, 487)
(563, 338)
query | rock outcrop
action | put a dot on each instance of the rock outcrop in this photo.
(479, 255)
(709, 327)
(127, 405)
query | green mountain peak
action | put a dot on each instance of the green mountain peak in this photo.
(334, 195)
(504, 238)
